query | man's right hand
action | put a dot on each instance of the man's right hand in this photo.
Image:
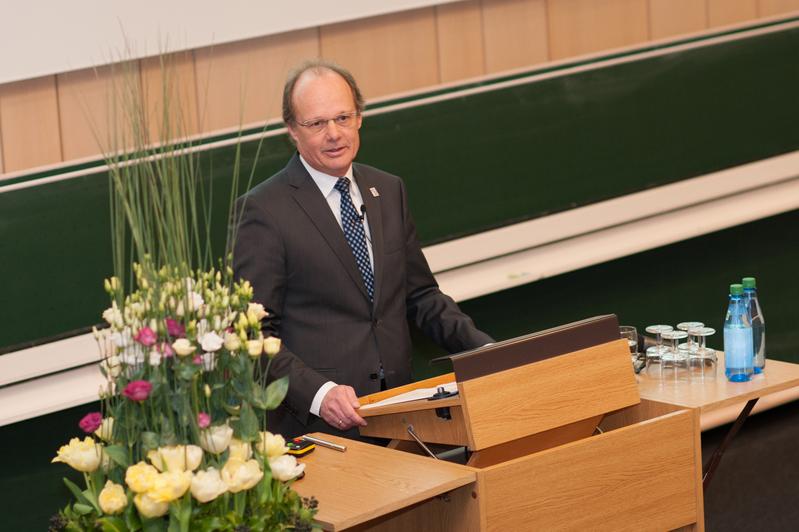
(338, 408)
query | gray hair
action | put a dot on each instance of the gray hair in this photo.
(318, 66)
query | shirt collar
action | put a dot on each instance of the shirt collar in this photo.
(324, 181)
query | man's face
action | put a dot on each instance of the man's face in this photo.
(320, 97)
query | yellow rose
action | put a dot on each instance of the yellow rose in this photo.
(149, 507)
(140, 477)
(106, 429)
(239, 475)
(272, 346)
(112, 498)
(170, 485)
(232, 342)
(285, 467)
(256, 310)
(216, 439)
(176, 458)
(271, 445)
(81, 455)
(240, 450)
(207, 485)
(183, 347)
(255, 347)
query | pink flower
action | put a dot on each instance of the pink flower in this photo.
(203, 420)
(198, 359)
(175, 329)
(145, 336)
(137, 390)
(91, 422)
(166, 350)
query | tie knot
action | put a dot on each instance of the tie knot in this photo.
(343, 185)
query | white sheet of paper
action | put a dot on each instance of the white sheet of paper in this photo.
(413, 395)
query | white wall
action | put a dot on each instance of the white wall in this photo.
(42, 37)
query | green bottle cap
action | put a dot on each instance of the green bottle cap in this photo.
(736, 289)
(749, 282)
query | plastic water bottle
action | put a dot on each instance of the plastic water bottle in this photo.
(758, 323)
(738, 342)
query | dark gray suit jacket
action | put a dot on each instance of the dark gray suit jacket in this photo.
(292, 250)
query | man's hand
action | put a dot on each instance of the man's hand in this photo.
(338, 408)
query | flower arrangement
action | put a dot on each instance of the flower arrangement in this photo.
(180, 442)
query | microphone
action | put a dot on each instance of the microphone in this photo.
(362, 216)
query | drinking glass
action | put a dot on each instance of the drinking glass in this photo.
(656, 351)
(630, 333)
(673, 358)
(691, 345)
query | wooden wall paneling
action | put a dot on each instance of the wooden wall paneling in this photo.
(171, 79)
(582, 26)
(386, 54)
(675, 17)
(29, 124)
(93, 103)
(723, 12)
(514, 33)
(242, 82)
(768, 8)
(460, 40)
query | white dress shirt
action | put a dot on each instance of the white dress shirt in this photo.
(326, 184)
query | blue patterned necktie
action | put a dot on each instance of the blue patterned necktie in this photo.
(356, 237)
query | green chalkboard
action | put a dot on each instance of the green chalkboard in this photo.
(471, 163)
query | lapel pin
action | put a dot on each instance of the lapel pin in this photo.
(374, 192)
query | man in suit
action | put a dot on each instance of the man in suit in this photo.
(331, 251)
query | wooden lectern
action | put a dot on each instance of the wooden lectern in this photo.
(528, 411)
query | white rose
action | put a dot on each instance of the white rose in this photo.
(207, 485)
(285, 467)
(211, 342)
(209, 361)
(216, 439)
(155, 358)
(183, 347)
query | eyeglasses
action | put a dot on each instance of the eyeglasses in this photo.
(343, 120)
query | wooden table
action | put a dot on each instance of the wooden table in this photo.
(371, 485)
(711, 392)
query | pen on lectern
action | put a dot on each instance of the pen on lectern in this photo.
(324, 443)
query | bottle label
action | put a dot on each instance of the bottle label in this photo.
(738, 347)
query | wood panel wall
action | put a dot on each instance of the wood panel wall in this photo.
(59, 118)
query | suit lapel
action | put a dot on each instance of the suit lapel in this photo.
(375, 216)
(310, 200)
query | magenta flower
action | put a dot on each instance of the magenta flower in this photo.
(198, 360)
(137, 390)
(145, 336)
(203, 420)
(175, 329)
(91, 422)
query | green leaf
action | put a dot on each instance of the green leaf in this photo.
(276, 392)
(258, 397)
(153, 525)
(118, 454)
(167, 432)
(112, 524)
(76, 491)
(246, 428)
(82, 509)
